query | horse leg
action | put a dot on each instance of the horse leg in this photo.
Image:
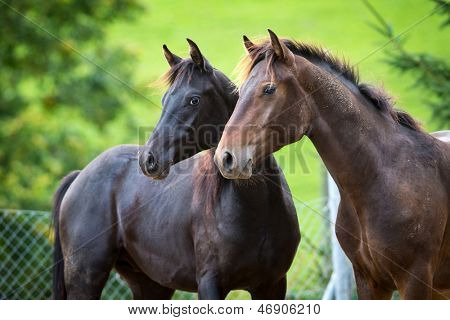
(441, 295)
(368, 290)
(416, 289)
(86, 280)
(87, 264)
(142, 287)
(417, 284)
(272, 291)
(209, 288)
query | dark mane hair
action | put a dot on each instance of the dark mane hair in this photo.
(318, 55)
(185, 67)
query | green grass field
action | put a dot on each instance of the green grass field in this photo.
(341, 26)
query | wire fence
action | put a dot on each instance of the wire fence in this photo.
(26, 247)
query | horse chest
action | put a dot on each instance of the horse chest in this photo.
(245, 245)
(265, 250)
(250, 260)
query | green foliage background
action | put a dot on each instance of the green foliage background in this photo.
(58, 110)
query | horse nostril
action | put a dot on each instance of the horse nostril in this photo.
(227, 161)
(151, 164)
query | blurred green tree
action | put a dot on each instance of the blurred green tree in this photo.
(59, 84)
(431, 72)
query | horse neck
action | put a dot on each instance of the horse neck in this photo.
(227, 91)
(232, 100)
(349, 135)
(209, 184)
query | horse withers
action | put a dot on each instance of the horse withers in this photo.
(192, 230)
(394, 178)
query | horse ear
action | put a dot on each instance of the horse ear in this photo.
(171, 58)
(249, 46)
(280, 49)
(195, 53)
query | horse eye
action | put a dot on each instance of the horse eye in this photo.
(269, 89)
(194, 101)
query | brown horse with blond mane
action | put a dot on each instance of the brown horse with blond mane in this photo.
(393, 178)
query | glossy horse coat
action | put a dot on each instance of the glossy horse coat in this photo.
(192, 231)
(394, 179)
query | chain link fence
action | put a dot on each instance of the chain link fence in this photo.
(26, 252)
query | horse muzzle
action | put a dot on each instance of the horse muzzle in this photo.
(232, 167)
(151, 167)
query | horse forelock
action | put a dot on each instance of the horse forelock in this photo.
(176, 73)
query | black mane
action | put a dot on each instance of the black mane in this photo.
(185, 67)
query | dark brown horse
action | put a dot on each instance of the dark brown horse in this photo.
(394, 179)
(194, 230)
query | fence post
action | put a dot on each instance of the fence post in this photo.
(341, 281)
